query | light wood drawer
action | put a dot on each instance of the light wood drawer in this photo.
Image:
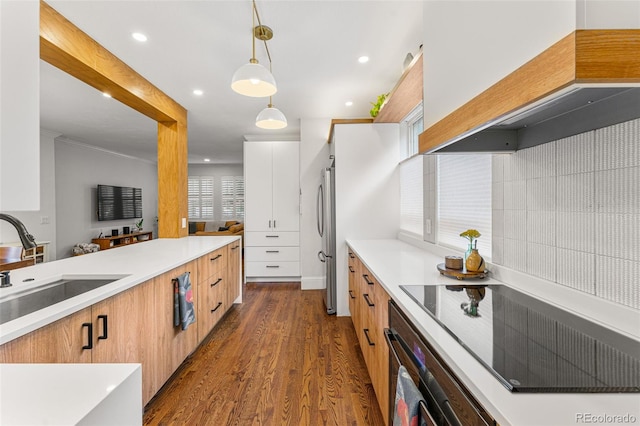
(272, 239)
(270, 254)
(272, 269)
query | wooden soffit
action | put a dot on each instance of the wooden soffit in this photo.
(405, 96)
(584, 56)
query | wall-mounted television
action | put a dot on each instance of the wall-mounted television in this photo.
(119, 202)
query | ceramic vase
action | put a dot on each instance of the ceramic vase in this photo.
(474, 262)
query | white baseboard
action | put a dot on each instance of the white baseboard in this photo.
(312, 283)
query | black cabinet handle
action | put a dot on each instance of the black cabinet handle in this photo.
(103, 336)
(366, 297)
(273, 266)
(217, 307)
(272, 236)
(366, 278)
(89, 335)
(216, 258)
(233, 248)
(272, 251)
(216, 283)
(351, 255)
(366, 334)
(351, 294)
(351, 269)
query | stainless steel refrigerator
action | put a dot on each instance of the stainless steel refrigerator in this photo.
(326, 216)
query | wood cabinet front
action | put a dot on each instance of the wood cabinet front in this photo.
(369, 313)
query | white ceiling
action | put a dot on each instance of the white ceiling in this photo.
(199, 45)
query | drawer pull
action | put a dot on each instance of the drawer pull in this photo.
(217, 307)
(234, 248)
(366, 278)
(216, 258)
(272, 236)
(351, 294)
(273, 251)
(103, 336)
(216, 283)
(366, 334)
(89, 327)
(366, 298)
(351, 256)
(351, 269)
(273, 266)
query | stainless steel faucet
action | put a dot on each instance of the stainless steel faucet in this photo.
(27, 240)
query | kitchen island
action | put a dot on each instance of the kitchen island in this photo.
(131, 319)
(394, 263)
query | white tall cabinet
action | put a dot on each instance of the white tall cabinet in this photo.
(272, 211)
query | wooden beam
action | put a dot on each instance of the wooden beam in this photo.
(347, 121)
(68, 48)
(584, 56)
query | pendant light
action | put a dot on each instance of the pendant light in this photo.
(253, 79)
(271, 118)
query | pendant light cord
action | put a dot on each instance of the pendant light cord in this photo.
(257, 15)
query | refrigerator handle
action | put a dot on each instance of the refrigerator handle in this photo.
(320, 210)
(322, 256)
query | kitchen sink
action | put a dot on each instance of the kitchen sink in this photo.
(21, 303)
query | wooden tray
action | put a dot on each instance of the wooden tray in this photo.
(460, 274)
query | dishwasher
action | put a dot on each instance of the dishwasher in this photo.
(446, 401)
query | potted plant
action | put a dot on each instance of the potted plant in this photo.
(139, 224)
(378, 104)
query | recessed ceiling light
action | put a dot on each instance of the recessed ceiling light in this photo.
(363, 59)
(106, 95)
(139, 36)
(348, 103)
(198, 92)
(206, 160)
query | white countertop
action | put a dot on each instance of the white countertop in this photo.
(396, 263)
(70, 394)
(135, 263)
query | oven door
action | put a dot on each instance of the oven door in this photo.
(435, 410)
(447, 402)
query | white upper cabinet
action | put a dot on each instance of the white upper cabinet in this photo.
(272, 188)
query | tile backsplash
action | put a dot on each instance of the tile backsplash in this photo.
(569, 212)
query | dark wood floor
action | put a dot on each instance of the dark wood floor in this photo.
(276, 359)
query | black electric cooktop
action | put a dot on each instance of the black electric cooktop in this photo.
(530, 345)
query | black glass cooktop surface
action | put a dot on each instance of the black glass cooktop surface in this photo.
(530, 345)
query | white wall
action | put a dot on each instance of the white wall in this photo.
(607, 14)
(367, 191)
(33, 220)
(314, 155)
(470, 45)
(217, 171)
(19, 105)
(79, 169)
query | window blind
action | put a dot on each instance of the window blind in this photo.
(232, 199)
(411, 196)
(464, 200)
(200, 197)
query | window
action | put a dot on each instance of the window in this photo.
(200, 197)
(464, 200)
(411, 196)
(232, 200)
(411, 128)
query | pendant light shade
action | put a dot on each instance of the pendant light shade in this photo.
(271, 118)
(253, 80)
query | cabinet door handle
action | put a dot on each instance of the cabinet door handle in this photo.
(269, 224)
(366, 298)
(366, 334)
(89, 327)
(103, 336)
(351, 294)
(272, 236)
(216, 283)
(351, 255)
(216, 258)
(273, 266)
(274, 224)
(234, 248)
(351, 269)
(366, 278)
(273, 251)
(217, 307)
